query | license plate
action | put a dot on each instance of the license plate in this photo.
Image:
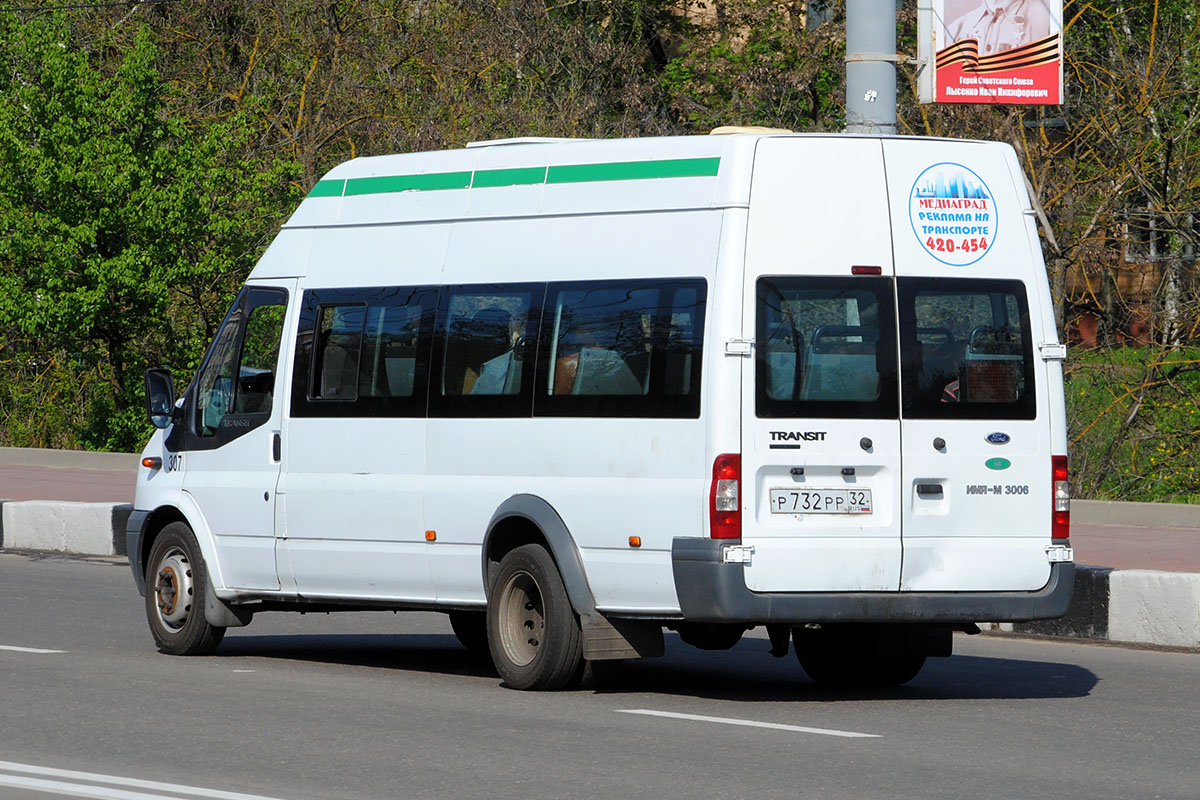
(820, 501)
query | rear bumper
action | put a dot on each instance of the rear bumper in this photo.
(710, 591)
(135, 529)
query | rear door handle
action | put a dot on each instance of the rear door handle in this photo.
(276, 448)
(929, 488)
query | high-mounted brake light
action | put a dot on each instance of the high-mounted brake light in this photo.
(861, 270)
(724, 503)
(1060, 526)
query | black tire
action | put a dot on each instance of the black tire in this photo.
(853, 659)
(839, 671)
(471, 629)
(176, 580)
(533, 633)
(710, 635)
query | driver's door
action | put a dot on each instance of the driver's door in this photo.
(232, 439)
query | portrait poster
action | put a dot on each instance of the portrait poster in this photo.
(993, 51)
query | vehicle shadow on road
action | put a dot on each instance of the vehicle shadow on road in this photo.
(435, 653)
(748, 673)
(745, 673)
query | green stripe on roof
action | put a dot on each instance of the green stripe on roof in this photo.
(328, 189)
(429, 182)
(635, 170)
(521, 176)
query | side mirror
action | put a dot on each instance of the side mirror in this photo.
(160, 397)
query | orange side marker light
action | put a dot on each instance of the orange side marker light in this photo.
(635, 541)
(431, 536)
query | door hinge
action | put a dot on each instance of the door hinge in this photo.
(737, 554)
(1053, 351)
(739, 347)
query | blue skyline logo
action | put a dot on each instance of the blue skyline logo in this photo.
(951, 184)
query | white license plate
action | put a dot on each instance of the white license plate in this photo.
(820, 501)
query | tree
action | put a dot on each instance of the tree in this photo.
(124, 230)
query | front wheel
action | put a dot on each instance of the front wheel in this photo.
(176, 580)
(533, 633)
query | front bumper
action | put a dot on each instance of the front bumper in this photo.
(135, 529)
(710, 591)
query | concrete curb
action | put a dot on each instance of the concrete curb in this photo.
(1132, 605)
(94, 529)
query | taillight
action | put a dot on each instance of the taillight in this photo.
(724, 503)
(1060, 527)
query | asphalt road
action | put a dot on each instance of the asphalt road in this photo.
(377, 705)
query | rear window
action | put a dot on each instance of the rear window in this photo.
(827, 348)
(966, 349)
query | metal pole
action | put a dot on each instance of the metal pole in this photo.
(871, 66)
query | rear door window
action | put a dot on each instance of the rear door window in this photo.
(826, 348)
(966, 347)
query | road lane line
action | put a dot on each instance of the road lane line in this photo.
(77, 789)
(750, 723)
(135, 783)
(16, 649)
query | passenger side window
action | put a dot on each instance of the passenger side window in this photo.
(363, 352)
(627, 348)
(487, 342)
(826, 348)
(339, 346)
(967, 349)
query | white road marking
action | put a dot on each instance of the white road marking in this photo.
(87, 785)
(16, 649)
(749, 723)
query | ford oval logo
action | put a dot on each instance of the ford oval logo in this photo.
(998, 438)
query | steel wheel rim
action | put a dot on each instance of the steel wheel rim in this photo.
(174, 589)
(522, 619)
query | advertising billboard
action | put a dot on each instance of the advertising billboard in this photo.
(991, 51)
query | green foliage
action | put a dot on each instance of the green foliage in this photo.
(148, 154)
(125, 230)
(1134, 423)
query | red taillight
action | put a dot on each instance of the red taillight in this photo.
(1060, 527)
(724, 503)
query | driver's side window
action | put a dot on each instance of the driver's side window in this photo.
(239, 375)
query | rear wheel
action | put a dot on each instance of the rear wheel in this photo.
(533, 633)
(176, 582)
(710, 635)
(856, 657)
(471, 629)
(845, 670)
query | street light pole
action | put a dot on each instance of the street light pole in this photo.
(871, 66)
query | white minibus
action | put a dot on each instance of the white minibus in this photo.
(576, 392)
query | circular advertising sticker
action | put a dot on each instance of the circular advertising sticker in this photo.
(952, 214)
